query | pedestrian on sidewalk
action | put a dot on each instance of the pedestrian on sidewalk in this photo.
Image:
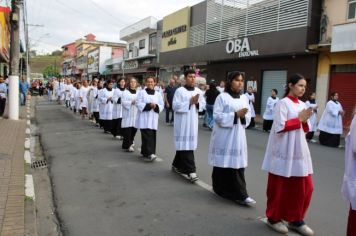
(129, 114)
(288, 162)
(117, 109)
(349, 182)
(150, 104)
(313, 119)
(251, 97)
(330, 124)
(211, 94)
(107, 103)
(168, 98)
(3, 96)
(24, 87)
(228, 145)
(269, 112)
(187, 102)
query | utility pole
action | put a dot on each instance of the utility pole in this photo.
(14, 61)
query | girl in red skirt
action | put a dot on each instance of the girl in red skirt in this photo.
(288, 162)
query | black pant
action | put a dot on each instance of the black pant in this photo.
(309, 136)
(184, 162)
(2, 106)
(229, 183)
(96, 116)
(116, 127)
(40, 91)
(252, 123)
(129, 136)
(267, 125)
(148, 146)
(327, 139)
(107, 124)
(169, 110)
(67, 103)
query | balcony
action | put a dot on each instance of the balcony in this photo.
(147, 25)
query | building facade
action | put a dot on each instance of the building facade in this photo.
(4, 40)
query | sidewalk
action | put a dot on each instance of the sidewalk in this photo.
(12, 175)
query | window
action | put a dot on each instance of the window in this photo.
(152, 47)
(351, 10)
(131, 45)
(142, 43)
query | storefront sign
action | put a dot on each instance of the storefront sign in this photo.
(177, 30)
(93, 61)
(240, 46)
(129, 65)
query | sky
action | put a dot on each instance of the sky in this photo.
(63, 21)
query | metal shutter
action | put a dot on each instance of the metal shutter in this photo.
(345, 85)
(272, 79)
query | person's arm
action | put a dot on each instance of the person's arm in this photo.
(180, 104)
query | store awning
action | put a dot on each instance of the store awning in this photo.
(344, 38)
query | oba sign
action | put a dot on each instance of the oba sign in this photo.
(240, 46)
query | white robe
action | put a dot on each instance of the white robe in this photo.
(349, 183)
(96, 101)
(287, 153)
(251, 99)
(228, 146)
(331, 120)
(90, 99)
(117, 109)
(314, 117)
(101, 105)
(84, 96)
(270, 107)
(107, 105)
(186, 118)
(148, 119)
(68, 91)
(129, 110)
(73, 91)
(77, 99)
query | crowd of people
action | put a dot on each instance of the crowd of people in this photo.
(125, 107)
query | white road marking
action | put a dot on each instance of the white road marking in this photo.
(27, 157)
(27, 143)
(204, 185)
(28, 131)
(29, 187)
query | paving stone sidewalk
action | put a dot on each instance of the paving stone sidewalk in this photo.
(12, 175)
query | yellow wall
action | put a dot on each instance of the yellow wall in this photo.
(176, 19)
(326, 60)
(4, 40)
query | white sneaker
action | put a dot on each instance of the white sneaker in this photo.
(193, 177)
(152, 157)
(278, 227)
(313, 140)
(303, 229)
(248, 201)
(131, 149)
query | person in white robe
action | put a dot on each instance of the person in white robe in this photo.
(72, 97)
(83, 94)
(251, 97)
(313, 119)
(101, 87)
(77, 98)
(129, 114)
(288, 162)
(68, 91)
(117, 109)
(107, 102)
(150, 104)
(55, 89)
(349, 182)
(187, 102)
(330, 124)
(63, 89)
(269, 111)
(94, 101)
(228, 145)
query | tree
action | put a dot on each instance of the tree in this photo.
(51, 71)
(57, 53)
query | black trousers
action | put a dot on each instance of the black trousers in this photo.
(148, 146)
(169, 110)
(267, 125)
(129, 136)
(96, 116)
(67, 103)
(229, 183)
(330, 140)
(184, 162)
(309, 136)
(252, 123)
(116, 127)
(2, 106)
(107, 124)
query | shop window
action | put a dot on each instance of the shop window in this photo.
(131, 45)
(142, 43)
(152, 47)
(351, 10)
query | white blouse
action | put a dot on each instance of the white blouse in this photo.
(331, 120)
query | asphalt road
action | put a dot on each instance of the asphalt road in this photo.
(101, 190)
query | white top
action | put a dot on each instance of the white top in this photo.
(186, 118)
(251, 99)
(107, 104)
(314, 117)
(270, 108)
(287, 153)
(68, 91)
(129, 110)
(331, 120)
(228, 146)
(84, 96)
(117, 109)
(148, 119)
(221, 90)
(349, 183)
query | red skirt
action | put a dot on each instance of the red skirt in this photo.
(288, 198)
(351, 224)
